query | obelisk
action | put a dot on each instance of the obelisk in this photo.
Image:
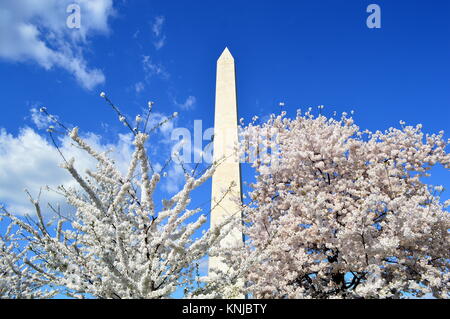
(226, 181)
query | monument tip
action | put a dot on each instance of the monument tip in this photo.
(226, 55)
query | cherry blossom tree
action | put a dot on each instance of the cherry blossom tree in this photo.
(17, 279)
(337, 212)
(118, 244)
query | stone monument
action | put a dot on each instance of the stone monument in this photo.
(226, 181)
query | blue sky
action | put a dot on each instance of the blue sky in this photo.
(302, 53)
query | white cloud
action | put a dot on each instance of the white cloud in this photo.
(29, 161)
(157, 25)
(37, 31)
(165, 129)
(203, 266)
(152, 68)
(188, 104)
(160, 43)
(157, 32)
(139, 87)
(174, 180)
(39, 120)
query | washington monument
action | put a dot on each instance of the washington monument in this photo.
(226, 181)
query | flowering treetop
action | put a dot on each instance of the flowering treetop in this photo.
(337, 212)
(118, 244)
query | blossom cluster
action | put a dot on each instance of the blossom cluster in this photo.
(337, 212)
